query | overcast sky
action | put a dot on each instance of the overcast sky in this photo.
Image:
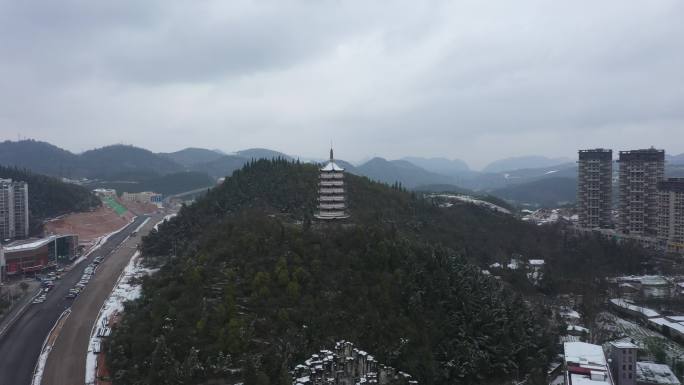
(476, 80)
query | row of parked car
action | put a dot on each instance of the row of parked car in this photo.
(47, 282)
(85, 278)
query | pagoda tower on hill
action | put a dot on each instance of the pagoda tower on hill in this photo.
(332, 203)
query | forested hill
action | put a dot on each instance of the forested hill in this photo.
(50, 197)
(249, 282)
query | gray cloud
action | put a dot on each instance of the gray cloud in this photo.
(468, 79)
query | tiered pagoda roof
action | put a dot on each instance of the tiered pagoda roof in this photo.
(331, 192)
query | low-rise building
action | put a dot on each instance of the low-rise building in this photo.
(649, 373)
(643, 286)
(569, 315)
(347, 365)
(32, 255)
(586, 364)
(143, 197)
(633, 311)
(105, 192)
(669, 326)
(623, 362)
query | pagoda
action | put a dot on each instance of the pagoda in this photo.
(331, 200)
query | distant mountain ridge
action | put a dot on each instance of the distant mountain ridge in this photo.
(523, 162)
(675, 159)
(40, 157)
(124, 162)
(262, 153)
(220, 167)
(440, 165)
(191, 156)
(133, 164)
(107, 161)
(405, 172)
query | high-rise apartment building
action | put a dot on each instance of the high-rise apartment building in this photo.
(14, 209)
(595, 188)
(21, 210)
(671, 214)
(640, 172)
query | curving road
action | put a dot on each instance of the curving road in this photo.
(20, 346)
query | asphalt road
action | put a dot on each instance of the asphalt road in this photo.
(21, 345)
(67, 359)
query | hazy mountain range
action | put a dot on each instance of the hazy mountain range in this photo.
(529, 179)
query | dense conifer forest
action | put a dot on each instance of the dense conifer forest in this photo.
(249, 285)
(50, 197)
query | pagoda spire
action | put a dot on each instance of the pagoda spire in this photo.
(331, 153)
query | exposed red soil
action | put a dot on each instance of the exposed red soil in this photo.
(89, 225)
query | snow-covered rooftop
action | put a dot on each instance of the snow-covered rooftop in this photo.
(624, 345)
(588, 357)
(584, 353)
(577, 328)
(29, 245)
(649, 313)
(665, 322)
(569, 313)
(653, 373)
(332, 166)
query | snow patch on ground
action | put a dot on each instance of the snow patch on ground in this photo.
(469, 199)
(166, 218)
(125, 290)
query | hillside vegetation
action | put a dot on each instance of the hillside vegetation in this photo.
(168, 184)
(109, 161)
(190, 156)
(549, 192)
(50, 197)
(249, 282)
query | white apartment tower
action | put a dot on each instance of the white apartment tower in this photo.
(14, 209)
(671, 215)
